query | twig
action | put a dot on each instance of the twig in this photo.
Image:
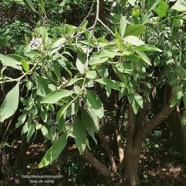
(106, 27)
(108, 152)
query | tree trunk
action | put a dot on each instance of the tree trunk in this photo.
(184, 144)
(178, 132)
(131, 165)
(135, 138)
(132, 152)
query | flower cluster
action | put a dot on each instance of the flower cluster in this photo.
(36, 44)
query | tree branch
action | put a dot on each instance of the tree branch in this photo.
(108, 152)
(97, 164)
(155, 121)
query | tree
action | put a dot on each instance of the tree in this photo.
(116, 67)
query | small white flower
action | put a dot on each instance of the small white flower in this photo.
(36, 43)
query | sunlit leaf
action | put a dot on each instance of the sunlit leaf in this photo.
(42, 6)
(56, 95)
(10, 104)
(180, 7)
(139, 99)
(31, 131)
(54, 151)
(90, 122)
(162, 8)
(30, 5)
(80, 66)
(9, 61)
(95, 104)
(143, 56)
(80, 135)
(132, 2)
(152, 4)
(91, 74)
(135, 106)
(123, 24)
(110, 83)
(42, 86)
(25, 65)
(102, 56)
(135, 30)
(147, 48)
(133, 40)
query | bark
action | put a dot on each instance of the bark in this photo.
(132, 153)
(178, 132)
(154, 122)
(131, 165)
(97, 164)
(135, 140)
(102, 11)
(184, 144)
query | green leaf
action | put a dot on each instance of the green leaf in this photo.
(152, 4)
(43, 114)
(56, 45)
(102, 55)
(53, 134)
(42, 6)
(176, 99)
(162, 8)
(61, 125)
(80, 66)
(21, 120)
(74, 107)
(133, 40)
(56, 70)
(43, 32)
(148, 48)
(180, 7)
(73, 81)
(31, 131)
(30, 5)
(25, 65)
(146, 17)
(10, 104)
(31, 54)
(119, 72)
(123, 24)
(135, 107)
(125, 68)
(42, 86)
(95, 104)
(54, 151)
(9, 61)
(143, 56)
(118, 41)
(135, 30)
(63, 109)
(16, 57)
(110, 83)
(26, 126)
(91, 74)
(132, 2)
(90, 123)
(139, 99)
(45, 132)
(80, 135)
(56, 95)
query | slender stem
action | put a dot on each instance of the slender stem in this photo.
(106, 27)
